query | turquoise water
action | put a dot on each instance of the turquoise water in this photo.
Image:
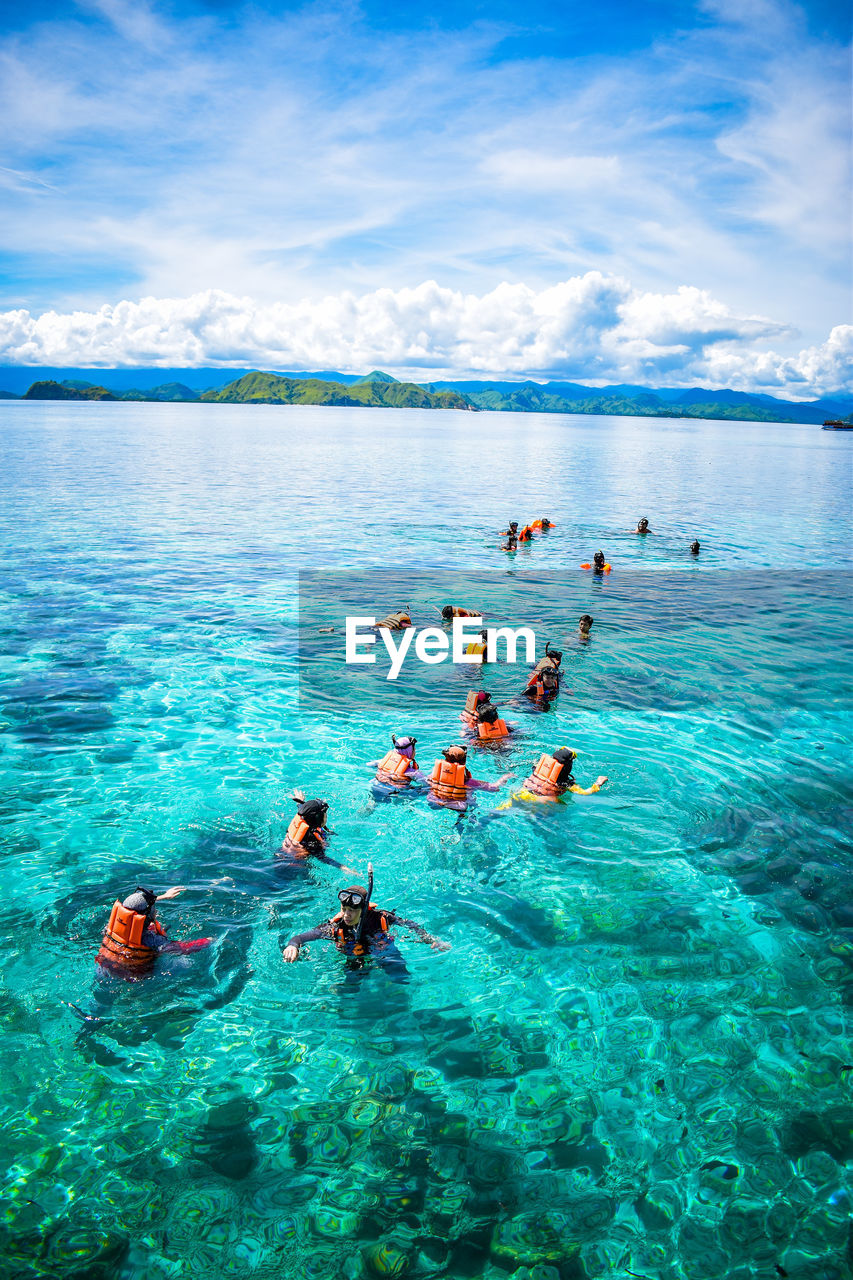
(634, 1060)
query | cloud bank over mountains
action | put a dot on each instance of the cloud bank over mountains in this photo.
(592, 328)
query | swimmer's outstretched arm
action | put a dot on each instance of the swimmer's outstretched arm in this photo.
(476, 785)
(171, 893)
(291, 951)
(437, 944)
(588, 791)
(324, 857)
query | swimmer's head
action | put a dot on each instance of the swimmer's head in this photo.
(404, 744)
(142, 901)
(447, 613)
(598, 559)
(513, 524)
(487, 713)
(643, 524)
(314, 812)
(584, 624)
(549, 678)
(566, 758)
(455, 755)
(694, 547)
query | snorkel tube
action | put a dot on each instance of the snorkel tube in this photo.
(366, 906)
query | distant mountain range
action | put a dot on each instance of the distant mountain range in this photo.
(379, 389)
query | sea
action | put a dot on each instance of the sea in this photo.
(635, 1060)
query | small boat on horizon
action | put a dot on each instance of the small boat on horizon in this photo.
(833, 424)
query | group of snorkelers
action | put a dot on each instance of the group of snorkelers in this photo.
(134, 936)
(598, 564)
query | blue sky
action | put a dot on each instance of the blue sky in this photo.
(606, 192)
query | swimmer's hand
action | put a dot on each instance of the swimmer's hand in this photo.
(289, 954)
(298, 796)
(171, 893)
(438, 944)
(504, 778)
(599, 782)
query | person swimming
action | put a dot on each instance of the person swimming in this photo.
(451, 611)
(361, 929)
(511, 544)
(450, 781)
(512, 531)
(552, 778)
(599, 564)
(475, 699)
(134, 936)
(397, 768)
(543, 523)
(694, 548)
(307, 835)
(526, 534)
(584, 625)
(490, 726)
(544, 685)
(643, 525)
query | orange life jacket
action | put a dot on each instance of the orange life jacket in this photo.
(539, 524)
(544, 780)
(122, 941)
(394, 767)
(539, 688)
(605, 568)
(339, 935)
(296, 834)
(476, 646)
(469, 715)
(497, 729)
(447, 781)
(526, 534)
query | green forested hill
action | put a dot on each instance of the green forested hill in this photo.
(269, 388)
(58, 391)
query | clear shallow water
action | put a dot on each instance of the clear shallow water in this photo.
(632, 1061)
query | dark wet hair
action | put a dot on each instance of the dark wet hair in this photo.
(141, 901)
(566, 758)
(455, 751)
(313, 812)
(585, 617)
(598, 557)
(694, 547)
(642, 520)
(487, 713)
(447, 612)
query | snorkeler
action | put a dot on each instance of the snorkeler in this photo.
(552, 778)
(512, 531)
(694, 548)
(599, 564)
(584, 626)
(450, 781)
(451, 611)
(397, 768)
(490, 726)
(542, 523)
(526, 534)
(134, 936)
(360, 929)
(511, 544)
(307, 835)
(543, 685)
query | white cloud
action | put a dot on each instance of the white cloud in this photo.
(591, 328)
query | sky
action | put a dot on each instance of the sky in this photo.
(606, 192)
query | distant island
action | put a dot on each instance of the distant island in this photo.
(381, 390)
